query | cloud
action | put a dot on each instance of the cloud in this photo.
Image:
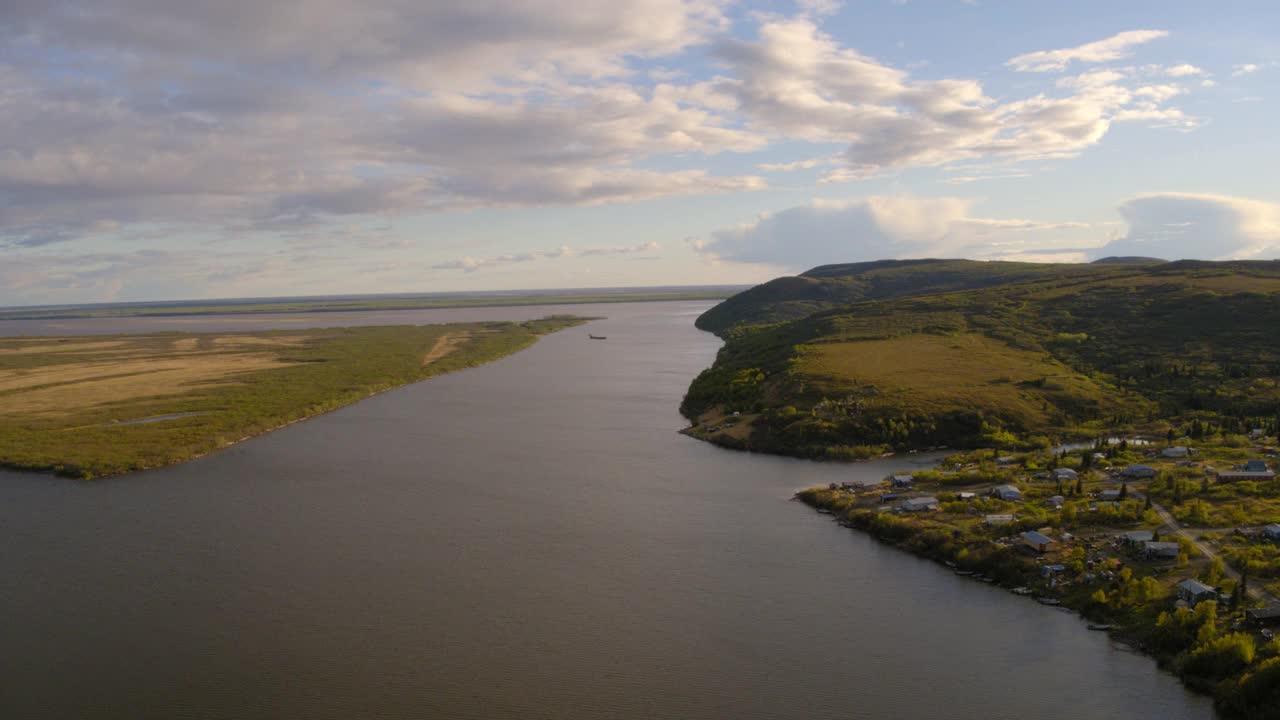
(1176, 226)
(796, 81)
(1115, 47)
(1245, 69)
(1184, 70)
(870, 229)
(471, 264)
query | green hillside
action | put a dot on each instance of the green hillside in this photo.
(907, 354)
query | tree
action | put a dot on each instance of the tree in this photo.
(1079, 486)
(1155, 534)
(1124, 490)
(1242, 591)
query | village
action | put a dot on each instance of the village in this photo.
(1142, 537)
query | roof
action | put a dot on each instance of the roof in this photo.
(1065, 472)
(1138, 470)
(902, 478)
(1195, 587)
(1006, 488)
(1266, 613)
(1246, 474)
(1139, 536)
(1272, 528)
(1037, 538)
(1255, 466)
(1153, 545)
(921, 501)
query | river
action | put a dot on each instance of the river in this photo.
(527, 539)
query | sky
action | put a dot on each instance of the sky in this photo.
(156, 150)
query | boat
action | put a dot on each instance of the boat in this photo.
(964, 573)
(1048, 601)
(1094, 626)
(597, 337)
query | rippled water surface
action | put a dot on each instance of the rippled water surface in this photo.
(528, 539)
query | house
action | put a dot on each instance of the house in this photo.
(966, 495)
(1161, 550)
(1238, 475)
(920, 504)
(1175, 452)
(1047, 571)
(1064, 475)
(1194, 591)
(1109, 494)
(887, 497)
(1139, 471)
(1056, 502)
(1036, 541)
(1262, 617)
(997, 519)
(1255, 466)
(1006, 492)
(1272, 531)
(1137, 537)
(900, 481)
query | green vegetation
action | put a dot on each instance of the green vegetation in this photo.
(94, 406)
(913, 354)
(1091, 566)
(360, 304)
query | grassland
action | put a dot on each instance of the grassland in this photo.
(364, 303)
(91, 407)
(970, 354)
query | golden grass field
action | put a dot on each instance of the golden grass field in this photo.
(937, 373)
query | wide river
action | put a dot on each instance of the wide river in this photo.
(527, 539)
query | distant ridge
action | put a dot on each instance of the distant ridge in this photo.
(1128, 260)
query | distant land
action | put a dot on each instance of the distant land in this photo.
(359, 303)
(847, 361)
(89, 407)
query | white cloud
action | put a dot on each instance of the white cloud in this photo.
(795, 80)
(1245, 69)
(795, 165)
(1115, 47)
(471, 264)
(1176, 226)
(873, 228)
(1184, 70)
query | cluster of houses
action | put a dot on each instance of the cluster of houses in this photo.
(1144, 542)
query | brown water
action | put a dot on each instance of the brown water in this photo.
(528, 539)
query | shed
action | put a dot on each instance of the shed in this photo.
(966, 495)
(1006, 492)
(1110, 494)
(920, 504)
(1194, 591)
(1255, 466)
(1064, 475)
(1161, 550)
(901, 481)
(1051, 570)
(1272, 531)
(997, 519)
(1175, 452)
(1269, 615)
(1238, 475)
(1036, 541)
(1139, 471)
(1056, 502)
(1137, 537)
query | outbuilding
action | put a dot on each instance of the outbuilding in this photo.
(920, 504)
(1175, 452)
(1006, 492)
(1139, 471)
(901, 481)
(1064, 475)
(1195, 592)
(1161, 550)
(1272, 531)
(1037, 541)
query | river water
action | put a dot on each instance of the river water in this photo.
(527, 539)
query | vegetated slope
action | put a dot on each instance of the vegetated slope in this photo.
(1035, 353)
(828, 286)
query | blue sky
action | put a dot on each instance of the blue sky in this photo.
(222, 148)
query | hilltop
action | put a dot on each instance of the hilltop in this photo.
(850, 360)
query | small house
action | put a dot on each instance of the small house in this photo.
(1111, 494)
(1064, 475)
(1037, 541)
(1238, 475)
(1139, 471)
(1056, 502)
(1272, 531)
(1006, 460)
(1255, 466)
(1048, 571)
(1137, 537)
(1161, 550)
(1006, 492)
(900, 481)
(1176, 452)
(1194, 591)
(1002, 519)
(966, 495)
(920, 504)
(1263, 617)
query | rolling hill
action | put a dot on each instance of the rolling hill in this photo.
(847, 359)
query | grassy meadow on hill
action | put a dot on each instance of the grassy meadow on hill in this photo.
(967, 353)
(89, 407)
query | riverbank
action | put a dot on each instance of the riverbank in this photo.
(1088, 531)
(89, 407)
